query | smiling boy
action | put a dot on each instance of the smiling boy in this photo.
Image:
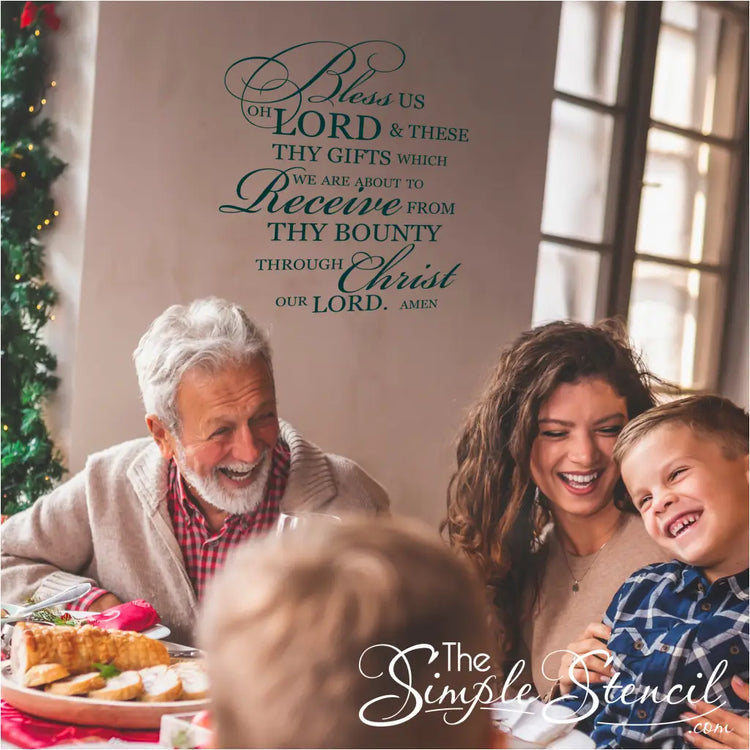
(685, 466)
(680, 629)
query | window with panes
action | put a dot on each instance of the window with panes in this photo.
(646, 176)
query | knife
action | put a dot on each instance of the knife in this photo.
(64, 597)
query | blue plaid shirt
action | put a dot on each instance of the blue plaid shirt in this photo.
(671, 629)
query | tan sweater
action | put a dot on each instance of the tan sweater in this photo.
(109, 525)
(560, 615)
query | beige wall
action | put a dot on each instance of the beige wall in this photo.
(733, 374)
(168, 144)
(70, 108)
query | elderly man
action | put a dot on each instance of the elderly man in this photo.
(155, 519)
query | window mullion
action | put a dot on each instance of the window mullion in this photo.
(695, 135)
(666, 260)
(640, 40)
(738, 181)
(592, 104)
(557, 239)
(735, 12)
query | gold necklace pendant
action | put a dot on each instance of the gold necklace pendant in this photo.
(576, 587)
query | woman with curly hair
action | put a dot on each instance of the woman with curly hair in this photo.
(536, 502)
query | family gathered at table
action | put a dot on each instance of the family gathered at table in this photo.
(593, 558)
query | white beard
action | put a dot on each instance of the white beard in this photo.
(233, 501)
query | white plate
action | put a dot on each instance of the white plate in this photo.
(156, 631)
(576, 740)
(90, 712)
(530, 723)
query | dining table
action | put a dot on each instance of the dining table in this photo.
(22, 730)
(32, 718)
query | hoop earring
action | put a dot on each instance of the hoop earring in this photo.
(540, 502)
(536, 509)
(540, 510)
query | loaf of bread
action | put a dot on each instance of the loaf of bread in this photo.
(78, 648)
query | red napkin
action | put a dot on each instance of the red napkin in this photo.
(28, 731)
(135, 615)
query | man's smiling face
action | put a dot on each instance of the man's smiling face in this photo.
(228, 430)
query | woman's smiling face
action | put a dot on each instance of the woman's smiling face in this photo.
(571, 456)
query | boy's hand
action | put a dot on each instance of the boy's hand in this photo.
(721, 728)
(593, 638)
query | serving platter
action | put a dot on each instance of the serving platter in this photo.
(87, 711)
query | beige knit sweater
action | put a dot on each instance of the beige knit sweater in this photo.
(560, 615)
(109, 525)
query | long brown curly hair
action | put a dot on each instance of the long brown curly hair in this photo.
(493, 518)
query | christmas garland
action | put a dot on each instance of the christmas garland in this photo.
(30, 462)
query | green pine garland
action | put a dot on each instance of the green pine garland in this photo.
(30, 462)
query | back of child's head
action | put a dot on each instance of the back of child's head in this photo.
(292, 627)
(712, 417)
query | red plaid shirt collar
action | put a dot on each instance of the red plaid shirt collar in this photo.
(204, 554)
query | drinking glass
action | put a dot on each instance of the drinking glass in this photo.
(299, 520)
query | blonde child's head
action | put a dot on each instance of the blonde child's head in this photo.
(289, 618)
(685, 465)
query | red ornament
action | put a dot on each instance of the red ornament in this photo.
(28, 15)
(7, 183)
(45, 10)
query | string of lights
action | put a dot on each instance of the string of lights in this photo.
(30, 462)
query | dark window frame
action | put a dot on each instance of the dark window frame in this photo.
(631, 111)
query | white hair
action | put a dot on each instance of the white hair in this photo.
(208, 333)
